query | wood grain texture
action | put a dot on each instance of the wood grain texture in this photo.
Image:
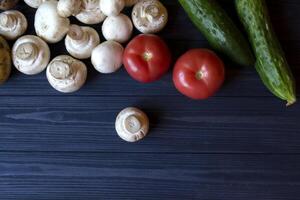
(243, 144)
(148, 176)
(69, 123)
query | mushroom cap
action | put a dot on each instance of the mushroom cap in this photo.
(107, 57)
(90, 12)
(5, 60)
(112, 7)
(66, 74)
(30, 54)
(132, 124)
(118, 28)
(48, 24)
(7, 4)
(82, 47)
(66, 8)
(12, 24)
(35, 3)
(149, 16)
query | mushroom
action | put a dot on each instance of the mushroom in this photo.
(7, 4)
(30, 54)
(81, 41)
(129, 3)
(48, 24)
(149, 16)
(90, 12)
(35, 3)
(107, 57)
(66, 74)
(12, 24)
(5, 60)
(112, 7)
(66, 8)
(118, 28)
(132, 124)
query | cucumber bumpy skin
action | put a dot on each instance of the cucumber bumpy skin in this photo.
(5, 60)
(271, 63)
(219, 29)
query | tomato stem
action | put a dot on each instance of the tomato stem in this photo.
(147, 56)
(199, 75)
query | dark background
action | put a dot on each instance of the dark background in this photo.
(241, 144)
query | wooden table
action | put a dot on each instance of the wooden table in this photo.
(242, 144)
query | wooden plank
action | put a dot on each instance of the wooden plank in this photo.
(121, 84)
(97, 176)
(240, 83)
(69, 123)
(242, 144)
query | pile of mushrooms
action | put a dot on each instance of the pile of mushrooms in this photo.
(31, 54)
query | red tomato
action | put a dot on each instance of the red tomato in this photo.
(198, 73)
(147, 58)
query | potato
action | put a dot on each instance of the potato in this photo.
(5, 60)
(7, 4)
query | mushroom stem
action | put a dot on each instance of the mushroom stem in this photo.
(76, 33)
(149, 16)
(27, 51)
(7, 20)
(60, 70)
(151, 12)
(132, 124)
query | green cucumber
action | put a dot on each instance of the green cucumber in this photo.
(219, 30)
(271, 63)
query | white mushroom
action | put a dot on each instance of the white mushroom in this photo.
(149, 16)
(13, 24)
(66, 8)
(35, 3)
(81, 41)
(112, 7)
(48, 24)
(30, 54)
(107, 57)
(118, 28)
(90, 12)
(130, 3)
(132, 124)
(66, 74)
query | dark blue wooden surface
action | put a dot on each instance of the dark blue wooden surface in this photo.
(243, 144)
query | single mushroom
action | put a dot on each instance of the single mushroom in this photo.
(13, 24)
(36, 3)
(5, 60)
(107, 57)
(118, 28)
(112, 7)
(8, 4)
(129, 3)
(149, 16)
(67, 8)
(90, 12)
(30, 54)
(81, 41)
(66, 74)
(132, 124)
(48, 24)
